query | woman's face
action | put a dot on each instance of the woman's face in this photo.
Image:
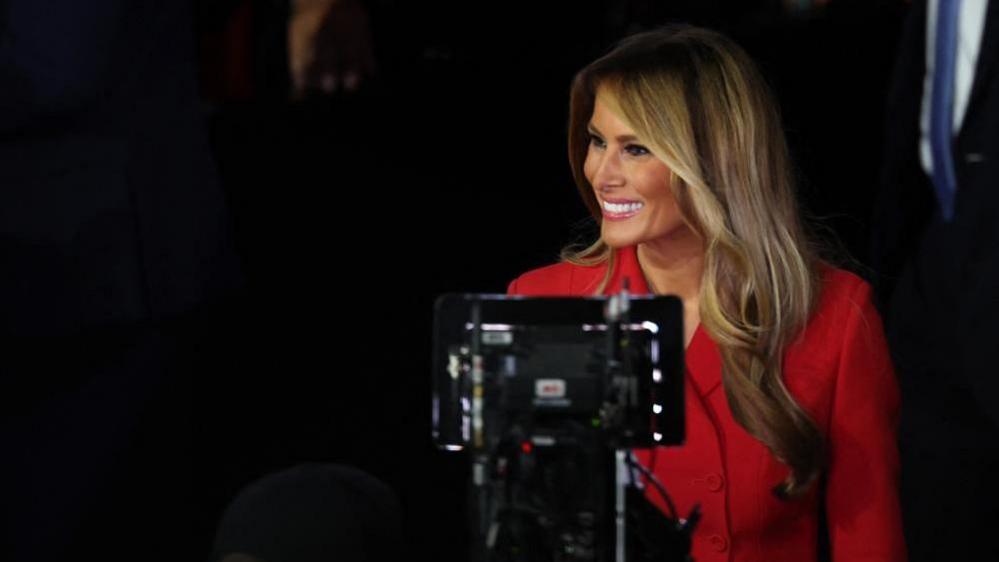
(631, 185)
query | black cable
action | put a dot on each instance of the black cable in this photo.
(656, 483)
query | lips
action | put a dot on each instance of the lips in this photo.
(620, 209)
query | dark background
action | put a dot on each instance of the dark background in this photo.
(445, 172)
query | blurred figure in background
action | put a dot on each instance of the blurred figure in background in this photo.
(329, 46)
(282, 50)
(937, 246)
(312, 513)
(115, 248)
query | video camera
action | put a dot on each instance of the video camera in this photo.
(549, 396)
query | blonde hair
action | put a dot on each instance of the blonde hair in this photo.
(696, 100)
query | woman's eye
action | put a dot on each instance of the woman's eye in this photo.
(596, 141)
(636, 150)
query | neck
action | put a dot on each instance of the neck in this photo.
(673, 266)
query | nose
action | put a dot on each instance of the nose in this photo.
(606, 170)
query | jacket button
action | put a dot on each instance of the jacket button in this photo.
(714, 482)
(718, 543)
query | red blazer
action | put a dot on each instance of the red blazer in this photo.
(839, 371)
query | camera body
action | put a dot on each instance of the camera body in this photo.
(546, 395)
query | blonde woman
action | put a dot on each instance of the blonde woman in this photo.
(677, 150)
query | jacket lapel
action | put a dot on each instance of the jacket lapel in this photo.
(703, 362)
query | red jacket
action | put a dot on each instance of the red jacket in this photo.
(839, 371)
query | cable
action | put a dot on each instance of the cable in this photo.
(655, 482)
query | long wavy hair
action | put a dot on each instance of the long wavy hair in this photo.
(697, 101)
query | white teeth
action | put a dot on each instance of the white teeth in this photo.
(617, 208)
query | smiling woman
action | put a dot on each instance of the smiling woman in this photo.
(677, 150)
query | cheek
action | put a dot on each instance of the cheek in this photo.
(588, 167)
(654, 186)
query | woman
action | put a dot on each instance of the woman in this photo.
(677, 149)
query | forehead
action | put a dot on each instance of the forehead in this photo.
(607, 114)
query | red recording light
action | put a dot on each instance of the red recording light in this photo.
(527, 447)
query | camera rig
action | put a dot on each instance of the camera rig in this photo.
(548, 396)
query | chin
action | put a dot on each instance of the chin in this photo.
(616, 241)
(676, 234)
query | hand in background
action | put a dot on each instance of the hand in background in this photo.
(329, 47)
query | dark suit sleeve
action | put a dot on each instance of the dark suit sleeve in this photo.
(977, 360)
(56, 57)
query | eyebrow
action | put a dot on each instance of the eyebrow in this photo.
(620, 138)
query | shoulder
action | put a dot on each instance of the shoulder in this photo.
(558, 279)
(842, 294)
(844, 315)
(841, 288)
